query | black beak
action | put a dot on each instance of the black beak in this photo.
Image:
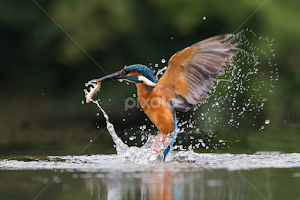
(113, 76)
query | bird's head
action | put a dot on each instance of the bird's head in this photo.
(133, 73)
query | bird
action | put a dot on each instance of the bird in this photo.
(188, 79)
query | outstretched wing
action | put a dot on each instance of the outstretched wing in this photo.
(192, 71)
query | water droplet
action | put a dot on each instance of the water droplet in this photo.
(163, 60)
(124, 120)
(91, 141)
(132, 137)
(204, 18)
(134, 95)
(267, 121)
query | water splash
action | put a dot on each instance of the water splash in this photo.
(160, 72)
(121, 147)
(197, 161)
(153, 149)
(245, 86)
(238, 98)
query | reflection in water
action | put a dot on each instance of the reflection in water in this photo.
(159, 182)
(189, 176)
(168, 184)
(158, 185)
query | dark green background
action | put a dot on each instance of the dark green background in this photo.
(43, 70)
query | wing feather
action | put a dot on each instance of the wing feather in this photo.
(192, 71)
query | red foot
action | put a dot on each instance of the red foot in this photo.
(160, 143)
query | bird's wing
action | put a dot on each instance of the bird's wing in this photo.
(191, 71)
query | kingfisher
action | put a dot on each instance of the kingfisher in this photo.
(188, 79)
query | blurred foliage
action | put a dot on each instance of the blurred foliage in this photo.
(49, 49)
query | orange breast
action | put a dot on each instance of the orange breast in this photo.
(156, 107)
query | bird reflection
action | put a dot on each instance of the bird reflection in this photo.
(166, 184)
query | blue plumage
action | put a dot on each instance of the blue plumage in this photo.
(144, 70)
(132, 79)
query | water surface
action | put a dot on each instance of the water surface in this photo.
(185, 175)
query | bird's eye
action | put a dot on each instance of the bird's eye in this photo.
(124, 72)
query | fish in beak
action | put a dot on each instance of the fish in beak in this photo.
(96, 84)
